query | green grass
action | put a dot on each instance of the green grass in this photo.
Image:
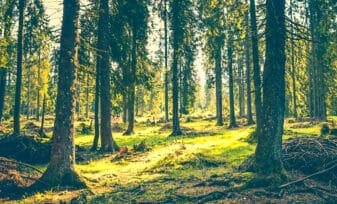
(171, 163)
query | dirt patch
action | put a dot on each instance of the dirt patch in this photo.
(25, 148)
(14, 176)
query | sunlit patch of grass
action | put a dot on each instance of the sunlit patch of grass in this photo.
(170, 162)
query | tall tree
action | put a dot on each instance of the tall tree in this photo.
(60, 170)
(17, 103)
(177, 39)
(166, 80)
(247, 49)
(232, 120)
(212, 16)
(103, 64)
(318, 67)
(137, 16)
(256, 65)
(6, 44)
(269, 146)
(293, 68)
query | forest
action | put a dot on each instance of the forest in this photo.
(168, 101)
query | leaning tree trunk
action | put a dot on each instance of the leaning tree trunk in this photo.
(256, 66)
(60, 171)
(269, 146)
(218, 86)
(17, 103)
(103, 62)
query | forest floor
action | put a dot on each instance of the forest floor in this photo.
(201, 166)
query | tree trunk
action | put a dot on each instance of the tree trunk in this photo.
(293, 69)
(3, 76)
(247, 47)
(87, 97)
(177, 31)
(103, 62)
(232, 122)
(96, 117)
(8, 15)
(38, 90)
(29, 88)
(132, 87)
(218, 86)
(125, 106)
(60, 171)
(269, 146)
(166, 82)
(17, 103)
(241, 87)
(318, 65)
(256, 66)
(41, 131)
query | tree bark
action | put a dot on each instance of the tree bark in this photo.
(218, 86)
(166, 82)
(41, 131)
(247, 47)
(60, 171)
(18, 85)
(3, 76)
(8, 15)
(38, 90)
(97, 112)
(177, 38)
(232, 122)
(125, 106)
(318, 66)
(132, 87)
(103, 62)
(293, 68)
(241, 80)
(256, 66)
(87, 109)
(269, 146)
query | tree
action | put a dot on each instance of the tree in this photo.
(18, 85)
(247, 49)
(137, 16)
(212, 17)
(166, 80)
(256, 66)
(177, 40)
(5, 46)
(293, 68)
(103, 64)
(187, 58)
(232, 120)
(269, 147)
(318, 66)
(60, 170)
